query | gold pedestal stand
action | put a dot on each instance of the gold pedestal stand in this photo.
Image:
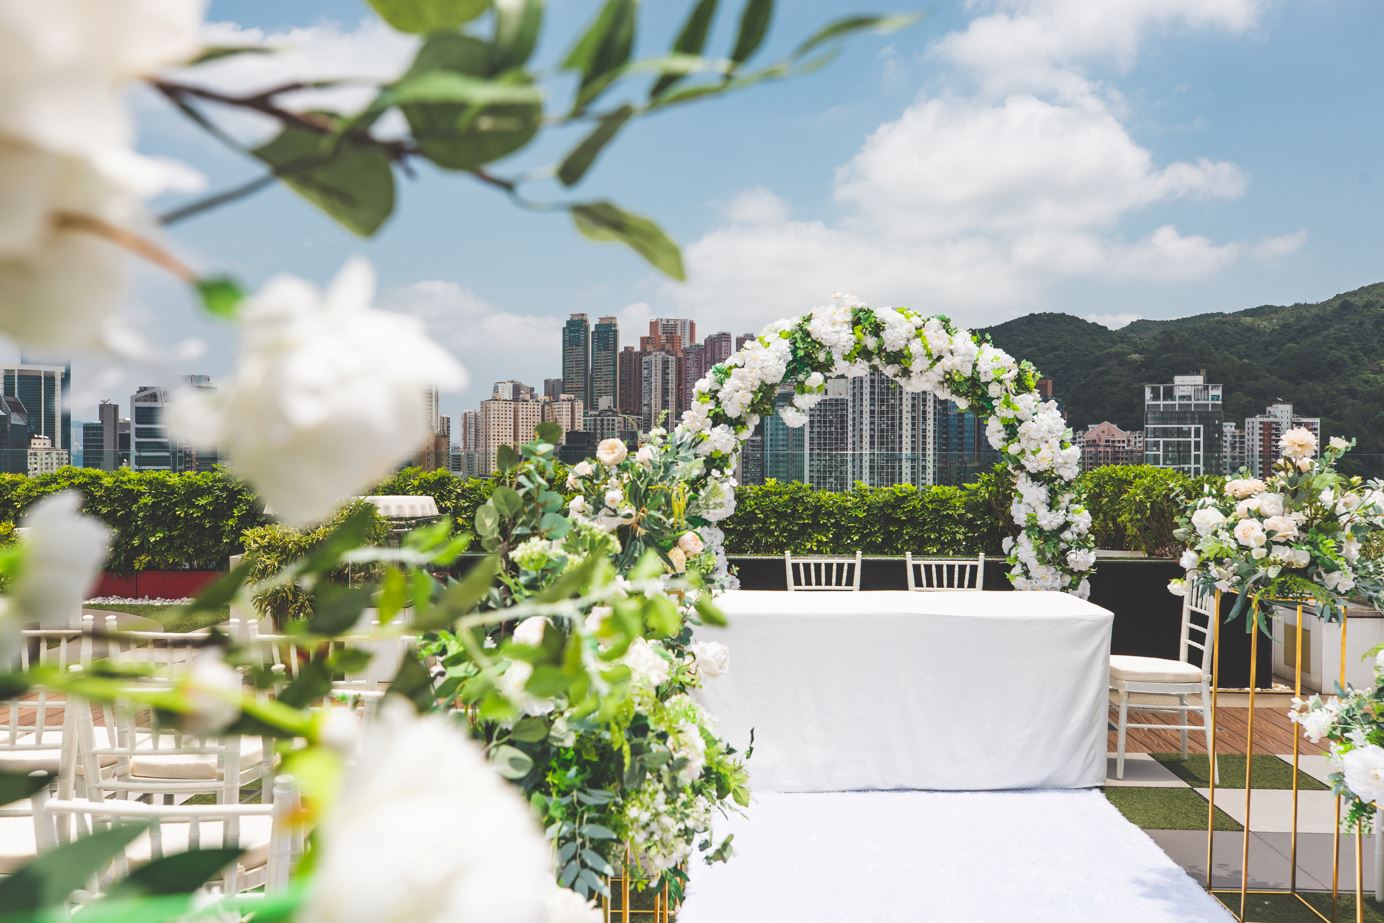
(1244, 890)
(619, 907)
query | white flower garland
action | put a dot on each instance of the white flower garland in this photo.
(1054, 550)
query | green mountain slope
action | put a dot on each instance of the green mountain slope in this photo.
(1327, 359)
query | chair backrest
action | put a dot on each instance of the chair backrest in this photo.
(1199, 628)
(34, 722)
(929, 574)
(822, 572)
(289, 653)
(153, 650)
(61, 821)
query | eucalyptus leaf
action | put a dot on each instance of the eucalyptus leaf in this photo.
(511, 762)
(691, 40)
(517, 26)
(579, 160)
(422, 16)
(606, 221)
(353, 182)
(607, 42)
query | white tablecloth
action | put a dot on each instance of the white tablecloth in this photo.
(889, 690)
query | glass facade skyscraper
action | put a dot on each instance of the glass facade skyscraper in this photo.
(576, 358)
(605, 351)
(43, 389)
(1184, 425)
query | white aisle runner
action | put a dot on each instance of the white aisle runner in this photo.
(943, 857)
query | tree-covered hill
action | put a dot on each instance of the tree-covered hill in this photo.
(1327, 359)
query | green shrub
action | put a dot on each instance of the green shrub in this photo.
(268, 548)
(161, 520)
(457, 497)
(1135, 507)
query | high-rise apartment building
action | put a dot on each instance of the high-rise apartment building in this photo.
(468, 439)
(1262, 433)
(719, 347)
(669, 334)
(512, 390)
(1105, 443)
(505, 420)
(1233, 448)
(629, 398)
(43, 388)
(963, 451)
(742, 339)
(662, 384)
(106, 443)
(576, 358)
(44, 457)
(605, 365)
(567, 412)
(14, 436)
(1184, 425)
(866, 429)
(694, 368)
(151, 448)
(552, 388)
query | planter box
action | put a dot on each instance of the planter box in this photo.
(1321, 648)
(156, 584)
(1147, 617)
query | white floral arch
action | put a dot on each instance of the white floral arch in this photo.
(1053, 550)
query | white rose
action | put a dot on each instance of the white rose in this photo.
(647, 666)
(1364, 772)
(1206, 519)
(1240, 488)
(511, 686)
(1271, 505)
(611, 451)
(390, 850)
(530, 631)
(645, 455)
(327, 395)
(1177, 587)
(713, 658)
(1298, 443)
(1258, 554)
(678, 558)
(577, 506)
(1189, 560)
(691, 544)
(61, 558)
(1338, 443)
(212, 691)
(583, 469)
(614, 497)
(1338, 581)
(1250, 533)
(1282, 527)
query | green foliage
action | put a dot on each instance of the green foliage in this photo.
(270, 548)
(456, 497)
(161, 520)
(1099, 373)
(1135, 507)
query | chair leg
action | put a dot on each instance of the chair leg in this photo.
(1120, 735)
(1182, 720)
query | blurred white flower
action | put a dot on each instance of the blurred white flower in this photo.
(1190, 559)
(565, 906)
(389, 848)
(1364, 772)
(713, 658)
(327, 397)
(1270, 505)
(645, 455)
(647, 666)
(530, 630)
(65, 152)
(1338, 443)
(511, 686)
(1298, 443)
(212, 690)
(611, 451)
(61, 558)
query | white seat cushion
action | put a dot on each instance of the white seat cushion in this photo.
(1130, 669)
(39, 759)
(253, 837)
(17, 846)
(156, 765)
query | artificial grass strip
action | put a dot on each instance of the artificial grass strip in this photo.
(1165, 808)
(1270, 772)
(170, 618)
(1284, 908)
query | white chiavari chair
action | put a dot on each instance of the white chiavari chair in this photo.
(288, 653)
(265, 833)
(31, 737)
(822, 572)
(1161, 685)
(930, 574)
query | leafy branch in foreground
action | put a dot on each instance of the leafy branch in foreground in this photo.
(469, 99)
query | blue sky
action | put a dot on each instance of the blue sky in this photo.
(1151, 158)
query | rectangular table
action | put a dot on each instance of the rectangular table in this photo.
(899, 690)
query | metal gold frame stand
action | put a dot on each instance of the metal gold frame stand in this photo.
(1244, 890)
(619, 907)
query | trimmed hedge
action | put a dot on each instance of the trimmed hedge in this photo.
(166, 521)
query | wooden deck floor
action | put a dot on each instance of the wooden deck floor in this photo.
(1273, 733)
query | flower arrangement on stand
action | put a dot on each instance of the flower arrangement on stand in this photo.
(626, 769)
(1350, 723)
(1053, 549)
(1297, 534)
